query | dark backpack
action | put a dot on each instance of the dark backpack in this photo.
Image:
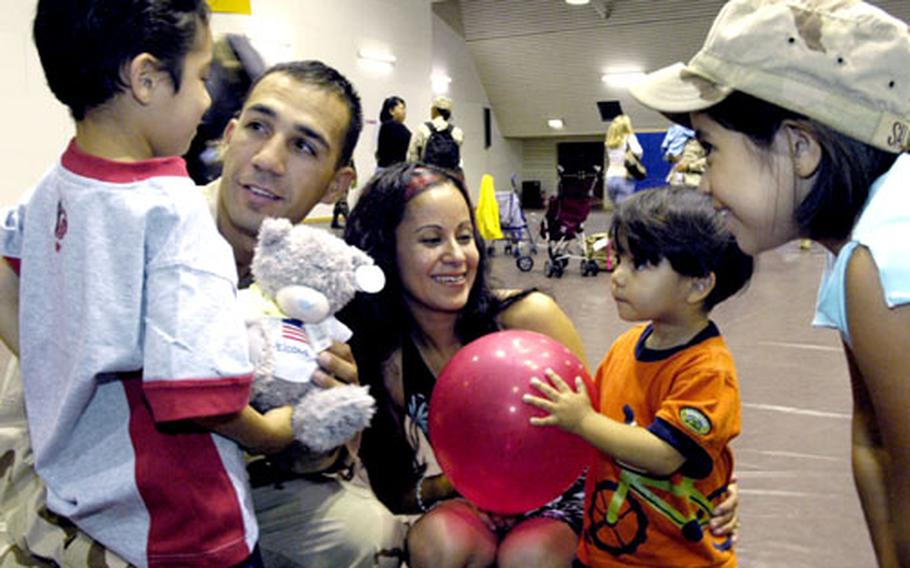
(441, 148)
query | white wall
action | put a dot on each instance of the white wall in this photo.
(503, 158)
(38, 127)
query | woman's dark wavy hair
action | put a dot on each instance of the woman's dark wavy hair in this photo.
(385, 114)
(847, 169)
(84, 44)
(382, 321)
(681, 225)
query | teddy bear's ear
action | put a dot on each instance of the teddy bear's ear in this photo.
(273, 231)
(369, 278)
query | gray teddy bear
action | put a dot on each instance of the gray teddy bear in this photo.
(303, 276)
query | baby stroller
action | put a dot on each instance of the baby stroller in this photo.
(514, 227)
(563, 226)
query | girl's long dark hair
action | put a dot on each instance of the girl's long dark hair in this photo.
(382, 322)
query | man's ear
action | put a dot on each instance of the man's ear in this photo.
(339, 185)
(804, 149)
(142, 75)
(700, 288)
(229, 130)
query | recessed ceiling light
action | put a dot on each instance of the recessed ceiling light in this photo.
(555, 123)
(577, 2)
(622, 79)
(440, 83)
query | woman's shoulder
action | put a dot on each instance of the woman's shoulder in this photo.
(516, 304)
(535, 311)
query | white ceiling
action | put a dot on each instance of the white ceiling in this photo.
(541, 59)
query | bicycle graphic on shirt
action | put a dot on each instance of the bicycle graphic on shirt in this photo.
(618, 520)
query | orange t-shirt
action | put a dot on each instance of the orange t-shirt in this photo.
(688, 396)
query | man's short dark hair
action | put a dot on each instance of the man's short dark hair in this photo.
(84, 44)
(320, 75)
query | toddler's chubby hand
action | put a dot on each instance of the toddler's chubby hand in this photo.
(568, 408)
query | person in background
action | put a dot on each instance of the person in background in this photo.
(235, 65)
(666, 395)
(620, 139)
(687, 171)
(394, 136)
(803, 108)
(674, 141)
(438, 141)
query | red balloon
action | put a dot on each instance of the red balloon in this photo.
(479, 426)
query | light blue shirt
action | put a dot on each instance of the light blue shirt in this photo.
(675, 140)
(884, 229)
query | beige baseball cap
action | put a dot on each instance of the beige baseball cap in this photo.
(442, 103)
(844, 63)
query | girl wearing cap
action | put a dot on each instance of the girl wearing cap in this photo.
(803, 107)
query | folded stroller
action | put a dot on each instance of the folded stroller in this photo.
(514, 227)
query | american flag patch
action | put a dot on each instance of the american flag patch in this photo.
(292, 331)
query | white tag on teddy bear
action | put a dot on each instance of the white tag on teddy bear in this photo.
(320, 334)
(295, 356)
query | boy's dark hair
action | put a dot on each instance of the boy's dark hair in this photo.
(847, 169)
(681, 225)
(385, 114)
(318, 74)
(84, 44)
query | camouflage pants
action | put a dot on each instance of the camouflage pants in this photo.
(30, 535)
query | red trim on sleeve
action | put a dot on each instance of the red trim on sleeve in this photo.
(195, 519)
(14, 263)
(197, 398)
(87, 165)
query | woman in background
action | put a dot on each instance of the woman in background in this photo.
(620, 138)
(394, 136)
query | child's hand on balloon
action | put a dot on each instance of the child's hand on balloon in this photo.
(567, 407)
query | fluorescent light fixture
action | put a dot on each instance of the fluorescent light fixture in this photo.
(622, 78)
(556, 123)
(376, 56)
(577, 2)
(440, 83)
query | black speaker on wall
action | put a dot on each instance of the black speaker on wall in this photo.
(609, 110)
(487, 128)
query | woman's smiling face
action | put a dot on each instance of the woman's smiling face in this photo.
(437, 254)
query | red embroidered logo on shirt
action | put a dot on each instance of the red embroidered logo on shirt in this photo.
(60, 229)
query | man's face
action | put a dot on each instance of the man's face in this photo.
(281, 154)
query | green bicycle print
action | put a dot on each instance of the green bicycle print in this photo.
(619, 524)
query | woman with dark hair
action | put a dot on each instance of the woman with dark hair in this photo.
(394, 136)
(803, 109)
(417, 222)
